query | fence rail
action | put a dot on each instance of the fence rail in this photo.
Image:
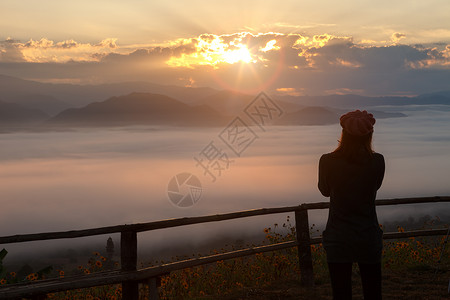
(130, 277)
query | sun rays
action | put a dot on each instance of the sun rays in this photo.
(214, 50)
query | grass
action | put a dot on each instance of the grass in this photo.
(411, 270)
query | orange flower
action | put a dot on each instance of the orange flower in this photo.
(103, 258)
(3, 281)
(32, 277)
(98, 263)
(13, 274)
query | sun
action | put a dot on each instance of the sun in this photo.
(214, 50)
(241, 54)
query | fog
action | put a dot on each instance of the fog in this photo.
(64, 180)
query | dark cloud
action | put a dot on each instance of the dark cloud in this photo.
(369, 58)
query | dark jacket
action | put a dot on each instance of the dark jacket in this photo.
(352, 233)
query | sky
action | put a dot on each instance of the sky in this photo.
(290, 47)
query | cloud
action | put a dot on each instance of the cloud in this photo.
(290, 91)
(317, 51)
(310, 64)
(436, 59)
(10, 52)
(111, 43)
(344, 91)
(45, 50)
(91, 171)
(397, 36)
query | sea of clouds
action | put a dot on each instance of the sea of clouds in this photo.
(65, 180)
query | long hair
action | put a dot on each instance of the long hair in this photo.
(355, 149)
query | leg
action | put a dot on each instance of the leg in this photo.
(371, 280)
(341, 280)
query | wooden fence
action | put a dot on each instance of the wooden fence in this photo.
(130, 277)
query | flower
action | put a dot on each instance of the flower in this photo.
(32, 276)
(3, 281)
(98, 263)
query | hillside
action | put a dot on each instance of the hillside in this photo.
(349, 101)
(22, 91)
(317, 115)
(78, 95)
(309, 116)
(48, 104)
(12, 114)
(139, 109)
(232, 103)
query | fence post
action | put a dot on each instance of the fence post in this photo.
(304, 247)
(153, 288)
(128, 259)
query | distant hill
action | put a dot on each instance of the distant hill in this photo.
(48, 104)
(16, 115)
(144, 104)
(440, 93)
(139, 109)
(233, 103)
(77, 95)
(227, 102)
(309, 116)
(350, 101)
(317, 115)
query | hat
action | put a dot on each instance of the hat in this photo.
(357, 122)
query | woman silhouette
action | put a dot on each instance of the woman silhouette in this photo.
(351, 176)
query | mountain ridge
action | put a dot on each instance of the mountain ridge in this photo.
(13, 114)
(77, 95)
(138, 109)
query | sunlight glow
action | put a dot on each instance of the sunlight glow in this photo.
(270, 46)
(213, 50)
(240, 54)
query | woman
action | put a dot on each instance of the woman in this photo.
(351, 176)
